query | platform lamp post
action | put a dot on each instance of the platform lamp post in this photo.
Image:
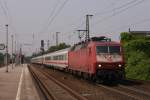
(12, 61)
(6, 47)
(57, 38)
(42, 51)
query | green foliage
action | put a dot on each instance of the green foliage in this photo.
(138, 66)
(137, 53)
(138, 45)
(52, 49)
(59, 47)
(126, 37)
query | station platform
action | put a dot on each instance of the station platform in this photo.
(17, 84)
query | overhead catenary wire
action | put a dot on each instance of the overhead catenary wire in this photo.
(8, 17)
(128, 25)
(56, 14)
(116, 8)
(135, 23)
(80, 19)
(49, 17)
(7, 14)
(117, 12)
(111, 11)
(122, 6)
(74, 24)
(3, 9)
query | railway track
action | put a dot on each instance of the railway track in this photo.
(97, 91)
(135, 93)
(128, 91)
(135, 90)
(51, 88)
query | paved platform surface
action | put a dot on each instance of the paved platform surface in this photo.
(16, 84)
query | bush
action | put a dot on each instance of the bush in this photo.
(137, 54)
(138, 66)
(138, 45)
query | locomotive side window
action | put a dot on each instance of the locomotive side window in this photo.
(101, 49)
(114, 49)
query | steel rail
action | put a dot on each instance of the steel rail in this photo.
(118, 91)
(72, 92)
(42, 86)
(134, 89)
(126, 93)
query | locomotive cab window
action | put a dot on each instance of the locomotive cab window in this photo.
(114, 49)
(101, 49)
(108, 49)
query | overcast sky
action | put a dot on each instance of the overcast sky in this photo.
(32, 20)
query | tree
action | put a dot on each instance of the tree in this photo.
(137, 56)
(126, 37)
(52, 49)
(59, 47)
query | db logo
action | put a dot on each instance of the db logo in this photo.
(109, 58)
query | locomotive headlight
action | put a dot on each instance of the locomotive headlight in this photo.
(99, 65)
(119, 65)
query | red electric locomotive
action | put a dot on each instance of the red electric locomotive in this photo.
(98, 58)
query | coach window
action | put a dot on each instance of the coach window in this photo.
(60, 57)
(57, 57)
(63, 57)
(54, 58)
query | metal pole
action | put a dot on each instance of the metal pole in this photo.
(6, 47)
(15, 53)
(47, 44)
(20, 55)
(57, 38)
(80, 34)
(12, 37)
(87, 27)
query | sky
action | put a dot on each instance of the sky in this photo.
(31, 21)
